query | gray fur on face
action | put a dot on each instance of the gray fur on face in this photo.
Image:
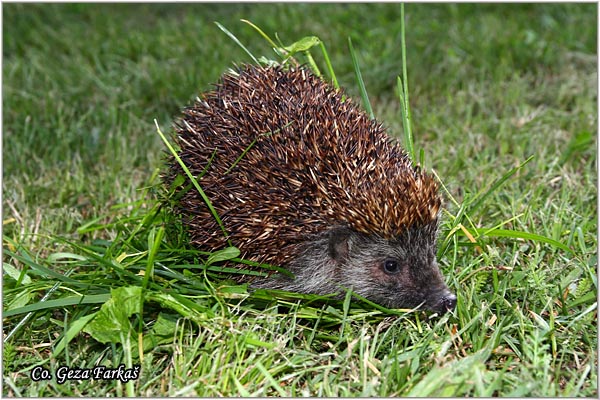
(398, 273)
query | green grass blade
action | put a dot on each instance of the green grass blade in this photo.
(236, 40)
(359, 79)
(58, 303)
(523, 235)
(478, 201)
(260, 31)
(73, 331)
(269, 377)
(329, 66)
(154, 240)
(43, 271)
(195, 182)
(403, 93)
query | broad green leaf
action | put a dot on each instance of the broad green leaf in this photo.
(15, 273)
(57, 257)
(223, 255)
(162, 332)
(20, 300)
(113, 318)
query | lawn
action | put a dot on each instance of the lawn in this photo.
(97, 273)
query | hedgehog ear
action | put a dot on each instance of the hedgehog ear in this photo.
(339, 243)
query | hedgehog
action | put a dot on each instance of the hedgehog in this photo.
(301, 177)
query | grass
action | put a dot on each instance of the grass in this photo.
(490, 86)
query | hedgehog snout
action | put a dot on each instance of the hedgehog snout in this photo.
(438, 297)
(441, 301)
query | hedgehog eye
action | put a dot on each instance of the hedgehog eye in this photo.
(391, 266)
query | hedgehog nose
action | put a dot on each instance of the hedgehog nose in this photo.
(445, 301)
(448, 302)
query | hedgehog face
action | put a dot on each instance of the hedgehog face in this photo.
(400, 273)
